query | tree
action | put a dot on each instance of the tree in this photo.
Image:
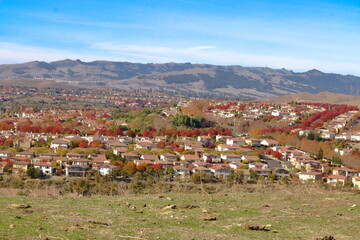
(34, 172)
(320, 154)
(253, 175)
(83, 144)
(336, 161)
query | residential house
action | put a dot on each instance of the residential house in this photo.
(49, 155)
(130, 156)
(209, 157)
(220, 171)
(6, 154)
(105, 169)
(237, 165)
(253, 142)
(281, 172)
(201, 169)
(119, 151)
(45, 167)
(356, 182)
(181, 171)
(230, 157)
(3, 167)
(336, 179)
(25, 154)
(160, 139)
(125, 139)
(149, 157)
(258, 165)
(83, 162)
(165, 164)
(145, 145)
(204, 139)
(101, 159)
(250, 158)
(269, 142)
(62, 161)
(190, 157)
(111, 144)
(263, 172)
(240, 141)
(20, 166)
(141, 139)
(168, 157)
(75, 171)
(227, 147)
(60, 143)
(310, 176)
(144, 161)
(348, 172)
(73, 155)
(222, 137)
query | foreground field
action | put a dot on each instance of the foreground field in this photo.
(287, 214)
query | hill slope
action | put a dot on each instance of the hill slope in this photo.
(323, 97)
(252, 82)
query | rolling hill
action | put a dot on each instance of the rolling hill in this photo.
(235, 81)
(323, 97)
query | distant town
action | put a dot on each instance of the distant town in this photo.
(137, 133)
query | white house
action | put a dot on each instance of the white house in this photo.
(46, 168)
(105, 169)
(59, 143)
(335, 179)
(181, 170)
(310, 176)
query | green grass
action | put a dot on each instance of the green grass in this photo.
(291, 214)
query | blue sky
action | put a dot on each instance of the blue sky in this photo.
(296, 35)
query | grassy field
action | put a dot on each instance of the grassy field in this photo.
(288, 214)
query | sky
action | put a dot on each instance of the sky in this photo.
(292, 34)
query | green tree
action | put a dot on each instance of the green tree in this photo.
(320, 154)
(34, 172)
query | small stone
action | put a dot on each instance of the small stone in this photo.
(169, 207)
(20, 206)
(209, 218)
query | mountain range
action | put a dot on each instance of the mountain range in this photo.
(235, 81)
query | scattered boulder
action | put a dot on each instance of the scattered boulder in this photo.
(20, 206)
(170, 207)
(99, 223)
(256, 227)
(188, 206)
(326, 238)
(209, 218)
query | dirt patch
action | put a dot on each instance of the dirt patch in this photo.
(30, 193)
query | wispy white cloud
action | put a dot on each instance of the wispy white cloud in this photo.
(213, 55)
(16, 53)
